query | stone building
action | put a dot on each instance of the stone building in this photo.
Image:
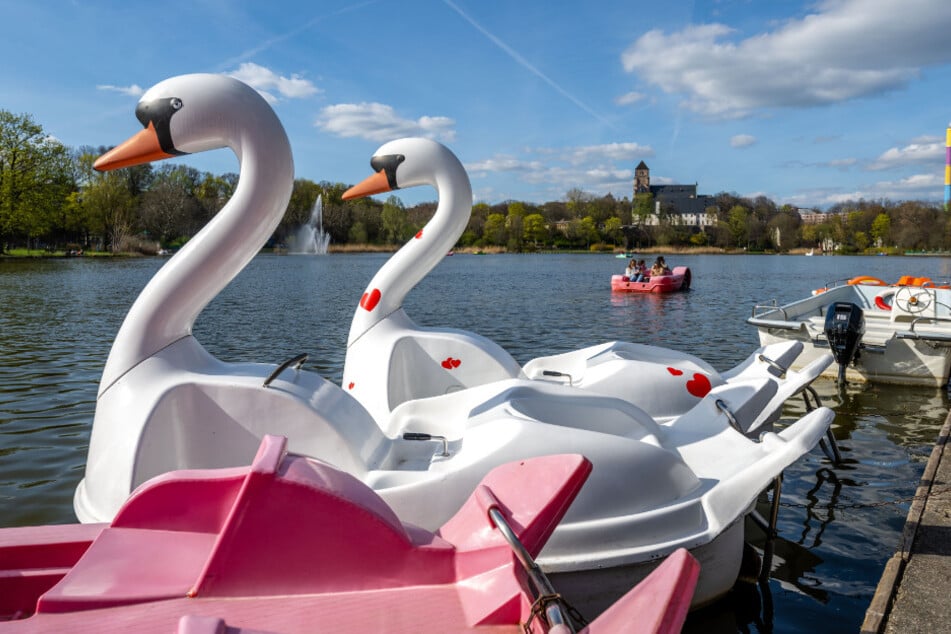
(681, 203)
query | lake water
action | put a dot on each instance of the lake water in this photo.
(838, 525)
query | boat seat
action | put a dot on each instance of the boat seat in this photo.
(105, 576)
(436, 362)
(281, 526)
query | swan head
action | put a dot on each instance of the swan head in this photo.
(410, 162)
(189, 114)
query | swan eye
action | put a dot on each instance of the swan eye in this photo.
(388, 163)
(175, 103)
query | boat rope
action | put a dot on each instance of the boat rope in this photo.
(541, 606)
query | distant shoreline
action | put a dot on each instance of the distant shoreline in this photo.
(488, 250)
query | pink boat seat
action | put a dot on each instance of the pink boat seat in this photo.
(125, 566)
(287, 525)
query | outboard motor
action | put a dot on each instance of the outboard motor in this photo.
(845, 325)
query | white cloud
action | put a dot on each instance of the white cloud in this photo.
(844, 163)
(923, 187)
(916, 183)
(915, 153)
(597, 169)
(266, 81)
(608, 152)
(742, 140)
(846, 50)
(503, 163)
(132, 91)
(379, 122)
(629, 98)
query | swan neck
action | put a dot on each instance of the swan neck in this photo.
(421, 254)
(168, 306)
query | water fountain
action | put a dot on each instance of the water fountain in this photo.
(311, 238)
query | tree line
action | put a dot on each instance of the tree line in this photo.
(51, 198)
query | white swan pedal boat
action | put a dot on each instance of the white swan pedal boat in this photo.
(166, 404)
(907, 329)
(391, 360)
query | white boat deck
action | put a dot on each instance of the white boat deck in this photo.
(907, 330)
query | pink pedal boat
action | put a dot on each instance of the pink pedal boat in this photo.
(678, 280)
(294, 545)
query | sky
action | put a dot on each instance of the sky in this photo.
(807, 103)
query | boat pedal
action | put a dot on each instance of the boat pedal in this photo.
(410, 435)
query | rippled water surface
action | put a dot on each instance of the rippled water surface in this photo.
(838, 524)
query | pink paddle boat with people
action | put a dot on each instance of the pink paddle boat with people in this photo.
(657, 279)
(290, 544)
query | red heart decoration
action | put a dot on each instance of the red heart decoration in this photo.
(699, 385)
(456, 362)
(675, 371)
(351, 385)
(371, 299)
(419, 234)
(449, 363)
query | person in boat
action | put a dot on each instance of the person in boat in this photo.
(641, 271)
(659, 268)
(631, 271)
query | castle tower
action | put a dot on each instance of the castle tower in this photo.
(642, 178)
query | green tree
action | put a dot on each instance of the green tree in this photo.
(494, 230)
(534, 228)
(109, 206)
(588, 231)
(358, 233)
(612, 230)
(514, 225)
(860, 239)
(576, 202)
(169, 210)
(881, 227)
(699, 239)
(35, 179)
(739, 225)
(394, 220)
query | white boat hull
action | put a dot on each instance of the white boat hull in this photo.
(905, 342)
(903, 361)
(593, 591)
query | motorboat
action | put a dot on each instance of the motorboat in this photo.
(879, 332)
(391, 360)
(677, 280)
(289, 544)
(166, 404)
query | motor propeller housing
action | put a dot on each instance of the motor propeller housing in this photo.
(844, 328)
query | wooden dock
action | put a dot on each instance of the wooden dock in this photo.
(913, 593)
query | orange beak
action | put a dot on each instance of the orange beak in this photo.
(376, 184)
(141, 148)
